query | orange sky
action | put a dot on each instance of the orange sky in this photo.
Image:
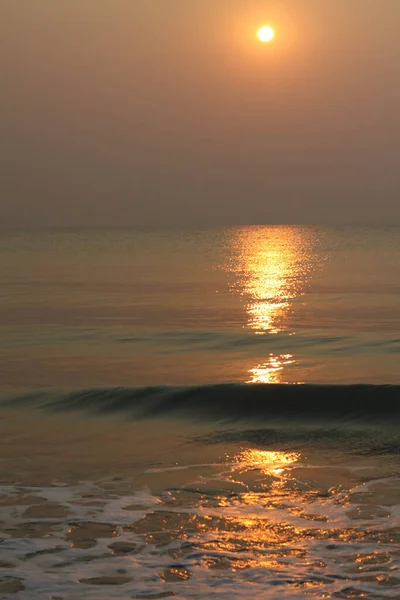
(170, 112)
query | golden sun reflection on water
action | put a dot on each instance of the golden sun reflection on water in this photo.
(274, 262)
(271, 370)
(260, 519)
(276, 518)
(273, 265)
(266, 461)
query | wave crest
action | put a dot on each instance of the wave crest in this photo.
(229, 402)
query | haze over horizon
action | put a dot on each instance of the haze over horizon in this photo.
(160, 113)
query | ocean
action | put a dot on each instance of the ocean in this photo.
(200, 413)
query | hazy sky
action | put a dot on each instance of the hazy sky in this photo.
(170, 112)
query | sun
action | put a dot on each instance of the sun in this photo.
(265, 34)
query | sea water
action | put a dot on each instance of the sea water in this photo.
(200, 414)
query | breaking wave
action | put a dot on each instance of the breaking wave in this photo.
(229, 402)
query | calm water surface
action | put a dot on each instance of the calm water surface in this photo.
(267, 304)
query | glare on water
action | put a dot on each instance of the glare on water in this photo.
(273, 268)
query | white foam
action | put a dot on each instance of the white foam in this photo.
(223, 559)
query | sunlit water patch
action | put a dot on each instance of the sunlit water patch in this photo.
(265, 524)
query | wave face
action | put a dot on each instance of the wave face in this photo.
(261, 403)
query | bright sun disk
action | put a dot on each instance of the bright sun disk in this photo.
(265, 34)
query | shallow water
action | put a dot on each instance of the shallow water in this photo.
(108, 508)
(193, 478)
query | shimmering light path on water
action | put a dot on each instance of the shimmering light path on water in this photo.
(274, 304)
